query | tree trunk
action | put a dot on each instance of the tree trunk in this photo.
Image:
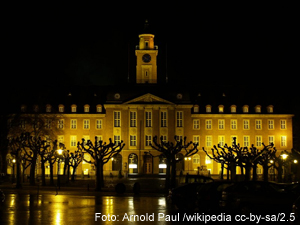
(266, 171)
(254, 172)
(233, 171)
(247, 172)
(173, 173)
(19, 173)
(222, 171)
(99, 175)
(168, 175)
(43, 173)
(73, 174)
(51, 174)
(32, 170)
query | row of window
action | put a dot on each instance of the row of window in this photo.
(233, 109)
(234, 124)
(245, 142)
(61, 108)
(179, 122)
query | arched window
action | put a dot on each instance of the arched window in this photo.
(61, 108)
(208, 108)
(270, 109)
(99, 108)
(86, 108)
(48, 108)
(221, 108)
(73, 108)
(233, 109)
(196, 159)
(133, 163)
(258, 109)
(116, 162)
(245, 109)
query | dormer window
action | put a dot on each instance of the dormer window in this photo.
(86, 108)
(245, 109)
(99, 108)
(208, 108)
(61, 108)
(35, 108)
(221, 108)
(73, 108)
(48, 108)
(270, 109)
(196, 108)
(233, 109)
(258, 109)
(23, 108)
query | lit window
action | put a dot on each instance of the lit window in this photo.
(258, 109)
(86, 124)
(196, 159)
(86, 108)
(246, 141)
(208, 109)
(196, 139)
(179, 119)
(246, 124)
(99, 124)
(258, 141)
(148, 140)
(270, 109)
(117, 119)
(258, 124)
(208, 124)
(99, 108)
(221, 140)
(282, 124)
(163, 117)
(196, 124)
(271, 139)
(23, 108)
(73, 108)
(73, 124)
(233, 109)
(245, 109)
(283, 141)
(148, 119)
(60, 124)
(73, 140)
(233, 124)
(117, 139)
(132, 140)
(133, 118)
(208, 141)
(61, 108)
(196, 108)
(271, 124)
(221, 108)
(48, 108)
(221, 124)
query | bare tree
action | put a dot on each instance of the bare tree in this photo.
(74, 160)
(100, 153)
(169, 150)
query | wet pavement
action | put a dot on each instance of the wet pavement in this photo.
(74, 209)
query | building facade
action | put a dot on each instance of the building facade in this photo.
(136, 113)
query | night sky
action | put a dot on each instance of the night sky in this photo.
(87, 44)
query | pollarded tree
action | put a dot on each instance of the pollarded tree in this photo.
(75, 159)
(169, 150)
(100, 153)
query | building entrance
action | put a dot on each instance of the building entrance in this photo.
(147, 164)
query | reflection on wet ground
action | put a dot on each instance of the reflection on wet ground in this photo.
(68, 209)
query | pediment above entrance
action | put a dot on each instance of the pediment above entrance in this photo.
(148, 99)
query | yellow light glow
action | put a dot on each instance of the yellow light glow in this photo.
(284, 156)
(60, 151)
(295, 161)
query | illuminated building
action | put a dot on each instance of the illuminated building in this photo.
(135, 113)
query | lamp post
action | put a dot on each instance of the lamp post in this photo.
(284, 155)
(14, 163)
(188, 159)
(59, 155)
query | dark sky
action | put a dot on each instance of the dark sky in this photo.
(86, 44)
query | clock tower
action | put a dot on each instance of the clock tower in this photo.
(146, 54)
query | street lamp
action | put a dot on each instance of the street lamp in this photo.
(189, 159)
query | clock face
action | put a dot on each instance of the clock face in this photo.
(146, 58)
